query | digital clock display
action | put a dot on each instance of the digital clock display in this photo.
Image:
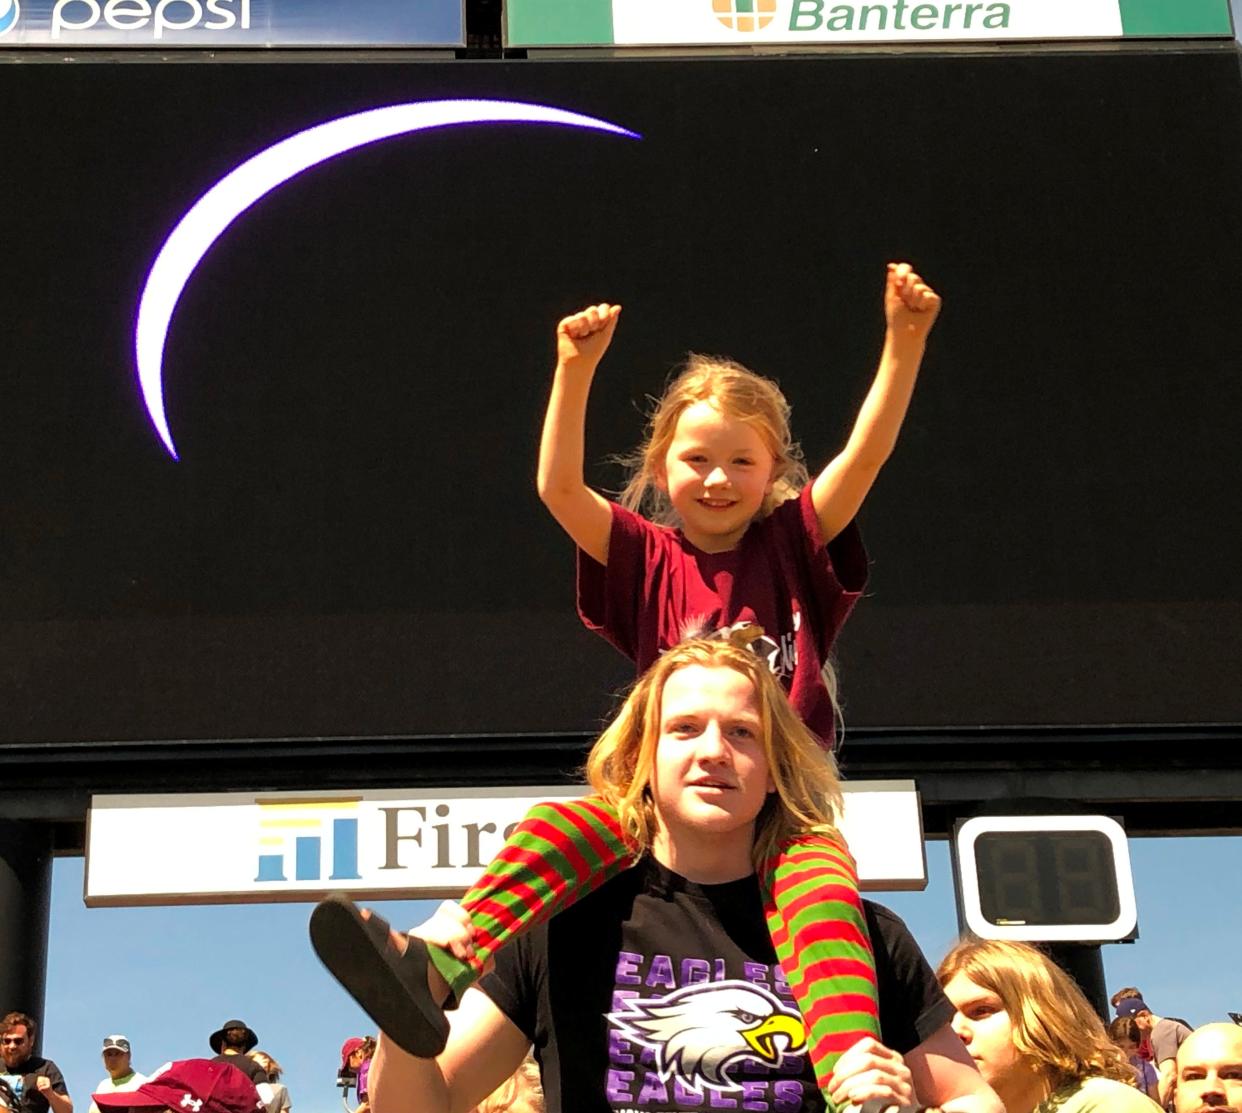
(1045, 878)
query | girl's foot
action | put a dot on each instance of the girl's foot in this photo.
(389, 975)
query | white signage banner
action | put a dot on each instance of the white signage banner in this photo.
(636, 22)
(216, 848)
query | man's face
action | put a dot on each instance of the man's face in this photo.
(116, 1062)
(15, 1046)
(711, 772)
(1145, 1021)
(1209, 1071)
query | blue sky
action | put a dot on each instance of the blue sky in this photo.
(168, 977)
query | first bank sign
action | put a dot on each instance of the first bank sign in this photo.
(217, 848)
(238, 23)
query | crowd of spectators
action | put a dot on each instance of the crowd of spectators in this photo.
(1029, 1029)
(238, 1079)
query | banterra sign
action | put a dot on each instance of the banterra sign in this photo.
(237, 23)
(233, 847)
(760, 22)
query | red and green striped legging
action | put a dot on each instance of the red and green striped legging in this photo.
(564, 850)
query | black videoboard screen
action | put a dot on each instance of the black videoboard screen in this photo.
(294, 495)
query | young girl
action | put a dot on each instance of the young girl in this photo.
(747, 549)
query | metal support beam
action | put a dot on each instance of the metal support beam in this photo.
(25, 900)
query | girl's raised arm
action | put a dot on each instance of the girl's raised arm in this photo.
(584, 514)
(910, 308)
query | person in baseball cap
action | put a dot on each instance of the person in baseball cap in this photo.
(190, 1086)
(348, 1048)
(1164, 1034)
(231, 1042)
(1130, 1007)
(121, 1076)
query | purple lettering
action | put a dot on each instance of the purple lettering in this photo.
(695, 970)
(787, 1096)
(619, 998)
(717, 1100)
(661, 973)
(684, 1096)
(780, 984)
(618, 1085)
(754, 1097)
(653, 1090)
(627, 967)
(619, 1049)
(756, 972)
(792, 1064)
(722, 972)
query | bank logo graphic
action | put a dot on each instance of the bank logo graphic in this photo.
(292, 837)
(745, 15)
(9, 11)
(699, 1031)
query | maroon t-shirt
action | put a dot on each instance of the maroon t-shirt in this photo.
(657, 587)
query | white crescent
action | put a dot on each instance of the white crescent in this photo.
(208, 218)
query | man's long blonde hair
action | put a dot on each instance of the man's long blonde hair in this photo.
(808, 791)
(1054, 1026)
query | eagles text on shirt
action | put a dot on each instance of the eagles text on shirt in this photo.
(684, 1034)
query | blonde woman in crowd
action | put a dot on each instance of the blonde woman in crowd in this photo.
(521, 1092)
(1033, 1035)
(275, 1094)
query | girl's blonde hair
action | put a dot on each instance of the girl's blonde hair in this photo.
(1054, 1026)
(273, 1068)
(523, 1082)
(737, 393)
(808, 792)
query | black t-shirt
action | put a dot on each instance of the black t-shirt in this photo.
(245, 1064)
(24, 1081)
(657, 994)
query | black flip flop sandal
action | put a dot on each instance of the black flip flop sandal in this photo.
(390, 986)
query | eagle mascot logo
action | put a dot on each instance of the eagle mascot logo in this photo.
(699, 1031)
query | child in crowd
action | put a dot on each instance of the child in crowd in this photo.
(1034, 1036)
(751, 543)
(1124, 1032)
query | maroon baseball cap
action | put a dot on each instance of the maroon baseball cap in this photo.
(191, 1086)
(348, 1048)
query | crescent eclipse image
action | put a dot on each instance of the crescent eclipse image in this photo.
(264, 172)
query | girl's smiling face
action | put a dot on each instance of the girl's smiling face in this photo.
(717, 472)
